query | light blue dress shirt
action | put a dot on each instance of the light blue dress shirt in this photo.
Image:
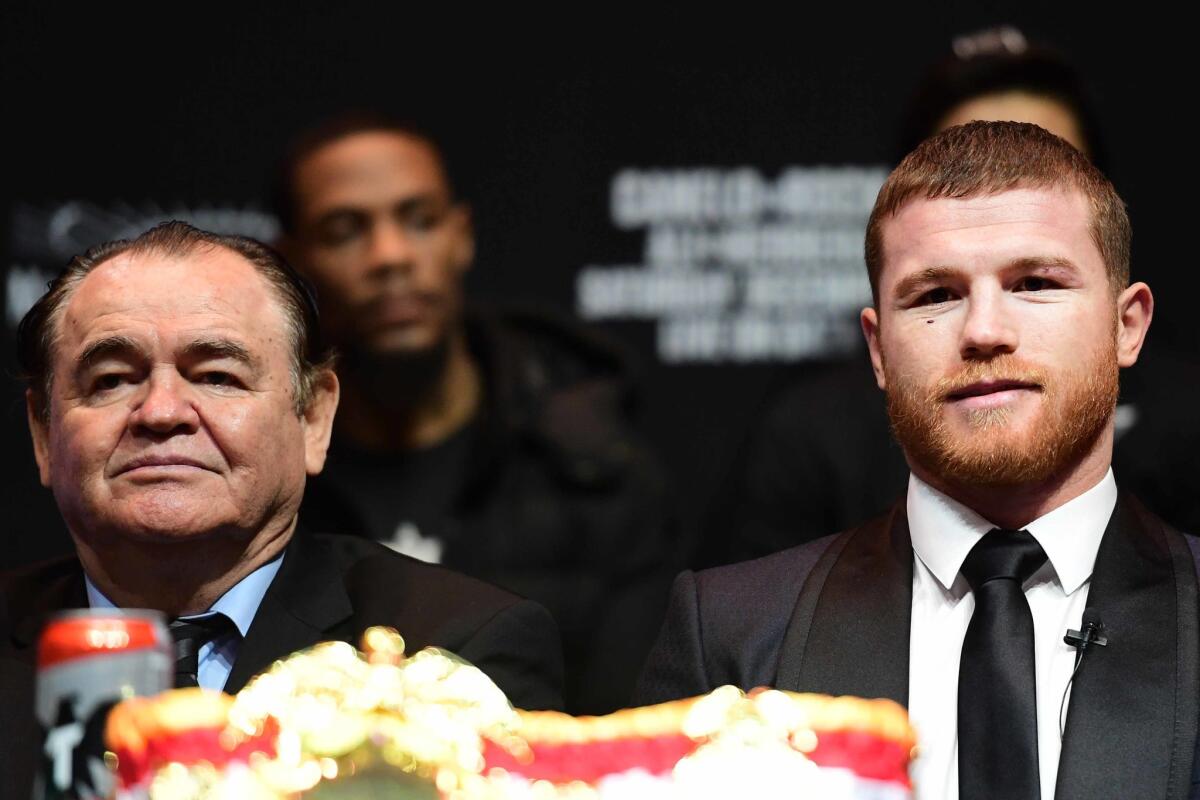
(240, 604)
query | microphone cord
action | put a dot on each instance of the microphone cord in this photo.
(1062, 724)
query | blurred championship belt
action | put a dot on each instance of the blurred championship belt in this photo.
(331, 722)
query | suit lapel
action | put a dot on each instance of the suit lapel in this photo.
(306, 599)
(61, 587)
(1131, 728)
(842, 639)
(303, 604)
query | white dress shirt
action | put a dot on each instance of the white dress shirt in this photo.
(943, 532)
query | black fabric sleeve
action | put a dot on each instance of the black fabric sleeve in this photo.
(519, 649)
(675, 667)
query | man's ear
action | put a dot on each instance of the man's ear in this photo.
(318, 420)
(1135, 308)
(869, 319)
(464, 237)
(40, 433)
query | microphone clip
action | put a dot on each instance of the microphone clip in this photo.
(1091, 634)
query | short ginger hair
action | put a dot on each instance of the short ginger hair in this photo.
(985, 158)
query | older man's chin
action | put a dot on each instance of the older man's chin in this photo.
(159, 523)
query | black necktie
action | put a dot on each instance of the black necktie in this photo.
(190, 635)
(997, 701)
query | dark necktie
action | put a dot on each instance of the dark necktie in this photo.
(997, 702)
(190, 635)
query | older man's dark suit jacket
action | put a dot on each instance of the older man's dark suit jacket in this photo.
(328, 587)
(833, 615)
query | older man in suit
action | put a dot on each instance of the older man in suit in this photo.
(179, 397)
(999, 260)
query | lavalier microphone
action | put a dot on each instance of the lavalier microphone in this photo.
(1091, 632)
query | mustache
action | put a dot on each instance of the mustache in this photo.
(1002, 369)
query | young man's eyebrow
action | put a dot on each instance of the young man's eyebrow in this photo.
(1044, 262)
(928, 275)
(912, 282)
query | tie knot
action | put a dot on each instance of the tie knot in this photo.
(191, 634)
(1011, 555)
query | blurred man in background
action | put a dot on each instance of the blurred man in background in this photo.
(821, 455)
(998, 74)
(499, 444)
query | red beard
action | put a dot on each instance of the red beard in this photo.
(1075, 407)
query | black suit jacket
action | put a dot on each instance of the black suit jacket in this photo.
(328, 588)
(833, 615)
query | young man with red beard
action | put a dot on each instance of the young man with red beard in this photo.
(999, 261)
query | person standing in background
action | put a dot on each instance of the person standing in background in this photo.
(496, 443)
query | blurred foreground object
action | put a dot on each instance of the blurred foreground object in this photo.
(88, 660)
(331, 722)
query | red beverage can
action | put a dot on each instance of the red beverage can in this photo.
(88, 661)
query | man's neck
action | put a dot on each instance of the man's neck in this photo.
(1014, 507)
(177, 578)
(408, 417)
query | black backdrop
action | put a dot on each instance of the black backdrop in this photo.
(186, 107)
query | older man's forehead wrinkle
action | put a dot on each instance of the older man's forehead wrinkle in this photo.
(85, 312)
(220, 338)
(173, 305)
(190, 287)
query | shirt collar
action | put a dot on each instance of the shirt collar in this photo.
(240, 603)
(943, 531)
